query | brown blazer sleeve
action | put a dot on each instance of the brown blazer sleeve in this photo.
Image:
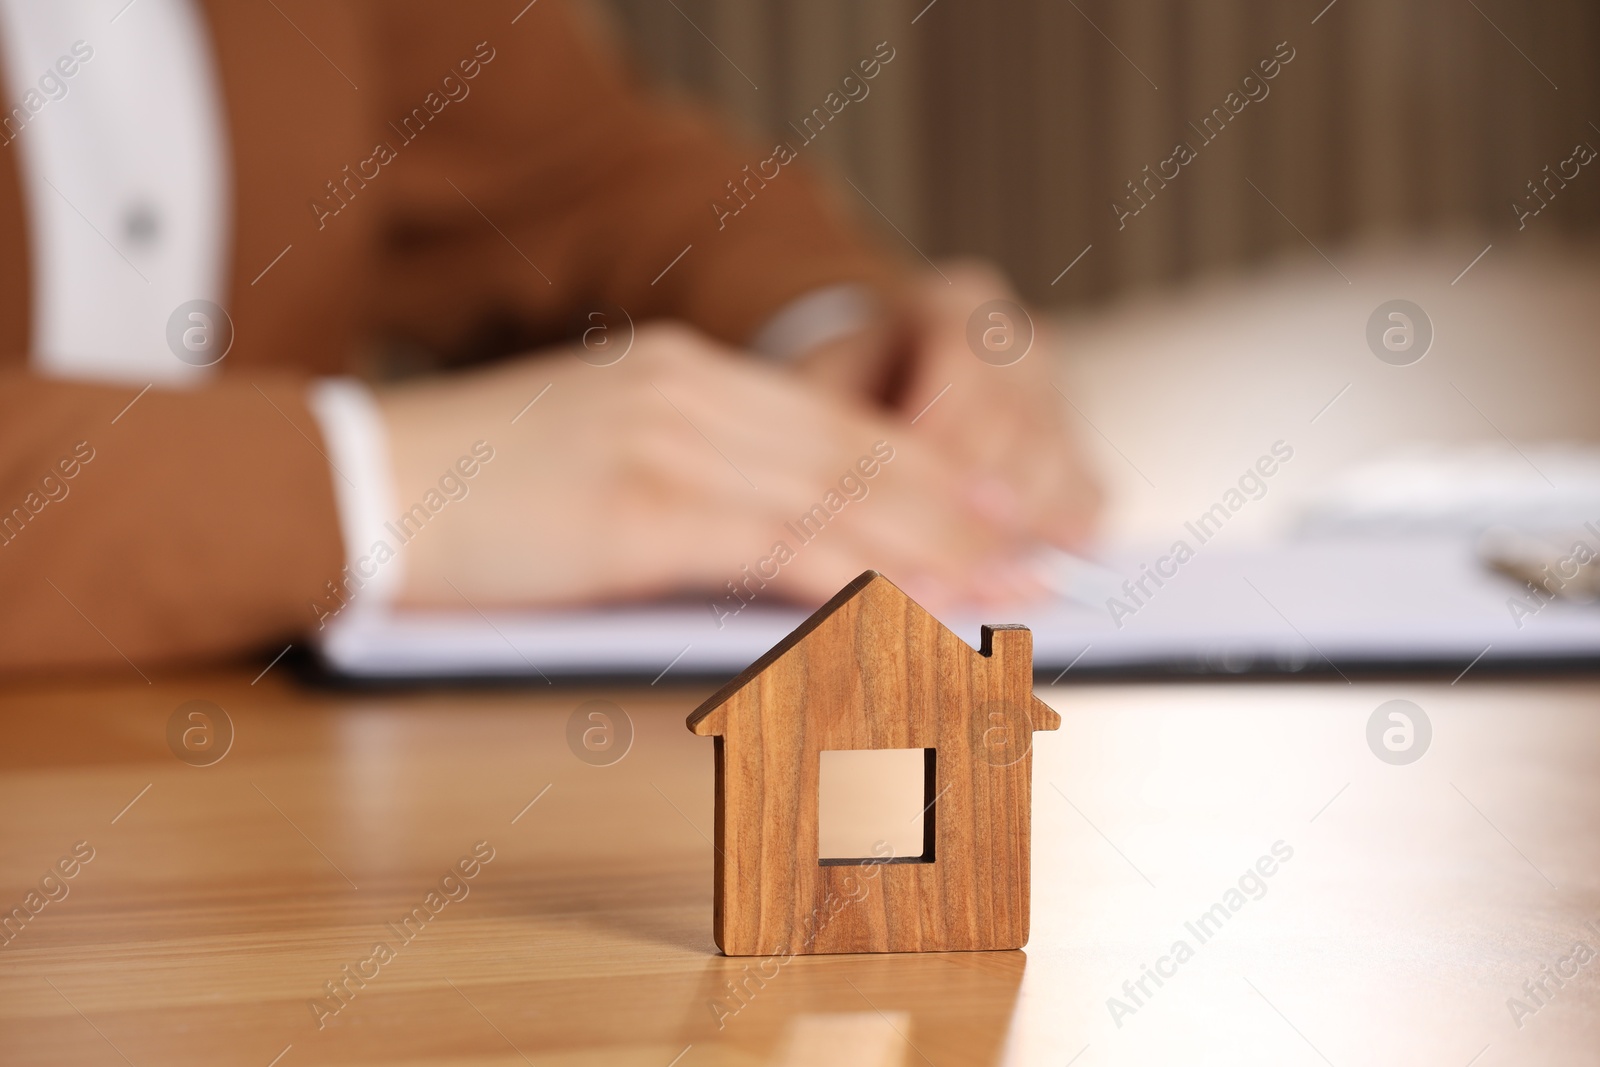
(197, 523)
(555, 181)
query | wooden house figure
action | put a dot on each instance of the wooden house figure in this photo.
(871, 669)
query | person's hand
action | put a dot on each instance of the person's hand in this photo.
(1005, 428)
(680, 467)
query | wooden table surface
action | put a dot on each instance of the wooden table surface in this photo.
(220, 900)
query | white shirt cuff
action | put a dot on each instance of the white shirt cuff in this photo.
(820, 316)
(363, 489)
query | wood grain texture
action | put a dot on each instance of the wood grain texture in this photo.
(206, 922)
(873, 670)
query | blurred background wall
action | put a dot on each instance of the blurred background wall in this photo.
(1009, 128)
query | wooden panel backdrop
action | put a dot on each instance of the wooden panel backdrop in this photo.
(1006, 127)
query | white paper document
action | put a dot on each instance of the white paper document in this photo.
(1333, 603)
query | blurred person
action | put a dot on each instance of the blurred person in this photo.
(444, 190)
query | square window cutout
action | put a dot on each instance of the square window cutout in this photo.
(876, 802)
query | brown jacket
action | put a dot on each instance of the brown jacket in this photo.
(203, 521)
